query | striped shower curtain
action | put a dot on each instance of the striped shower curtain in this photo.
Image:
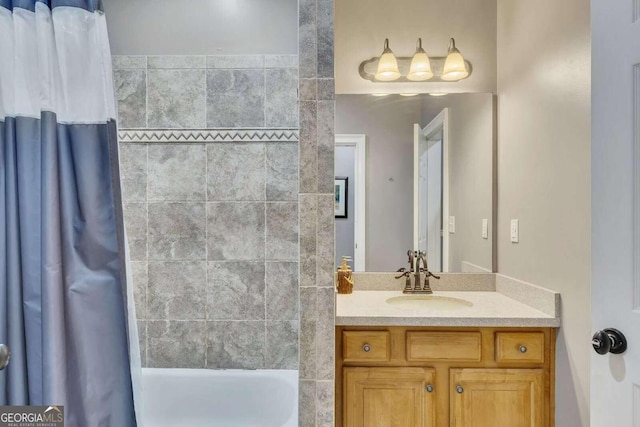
(64, 309)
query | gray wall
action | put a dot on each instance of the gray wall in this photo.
(388, 124)
(544, 163)
(202, 27)
(470, 175)
(213, 228)
(345, 227)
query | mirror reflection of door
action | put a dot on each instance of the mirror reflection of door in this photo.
(429, 194)
(430, 199)
(350, 239)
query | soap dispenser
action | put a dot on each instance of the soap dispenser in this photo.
(345, 277)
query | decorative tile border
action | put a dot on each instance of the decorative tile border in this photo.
(208, 135)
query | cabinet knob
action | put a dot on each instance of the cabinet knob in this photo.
(429, 388)
(459, 389)
(522, 348)
(366, 348)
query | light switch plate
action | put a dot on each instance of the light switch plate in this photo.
(485, 228)
(515, 231)
(452, 224)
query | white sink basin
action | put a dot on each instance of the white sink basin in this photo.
(428, 302)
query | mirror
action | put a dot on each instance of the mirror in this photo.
(415, 173)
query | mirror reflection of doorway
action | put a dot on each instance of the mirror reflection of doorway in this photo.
(350, 239)
(430, 184)
(430, 199)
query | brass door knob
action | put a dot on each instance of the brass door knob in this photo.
(366, 348)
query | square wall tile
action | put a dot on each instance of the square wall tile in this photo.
(281, 61)
(131, 94)
(135, 221)
(236, 290)
(177, 290)
(235, 231)
(176, 98)
(177, 172)
(235, 345)
(235, 98)
(282, 345)
(177, 231)
(307, 404)
(282, 231)
(176, 344)
(308, 239)
(282, 171)
(325, 403)
(308, 89)
(325, 334)
(142, 340)
(133, 172)
(122, 62)
(236, 172)
(308, 304)
(177, 61)
(307, 350)
(325, 243)
(235, 61)
(282, 290)
(281, 97)
(140, 280)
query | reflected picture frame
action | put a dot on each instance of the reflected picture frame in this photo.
(341, 199)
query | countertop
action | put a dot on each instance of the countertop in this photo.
(489, 309)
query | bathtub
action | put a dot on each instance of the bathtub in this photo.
(219, 398)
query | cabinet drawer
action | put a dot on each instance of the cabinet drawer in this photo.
(520, 347)
(366, 346)
(458, 346)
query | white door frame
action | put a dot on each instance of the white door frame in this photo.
(441, 121)
(359, 142)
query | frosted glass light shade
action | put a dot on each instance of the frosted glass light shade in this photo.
(454, 66)
(387, 65)
(420, 69)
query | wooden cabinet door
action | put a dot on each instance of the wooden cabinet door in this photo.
(388, 397)
(497, 398)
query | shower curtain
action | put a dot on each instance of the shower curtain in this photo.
(64, 309)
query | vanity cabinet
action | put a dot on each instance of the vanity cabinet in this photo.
(389, 397)
(439, 377)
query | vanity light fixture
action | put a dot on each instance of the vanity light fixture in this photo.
(438, 94)
(387, 65)
(454, 66)
(420, 69)
(380, 94)
(408, 94)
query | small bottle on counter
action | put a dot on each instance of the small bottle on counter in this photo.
(345, 277)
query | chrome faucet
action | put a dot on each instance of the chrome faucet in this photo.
(415, 257)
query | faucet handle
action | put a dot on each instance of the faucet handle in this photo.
(403, 271)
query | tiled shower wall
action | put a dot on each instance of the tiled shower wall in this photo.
(317, 295)
(212, 226)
